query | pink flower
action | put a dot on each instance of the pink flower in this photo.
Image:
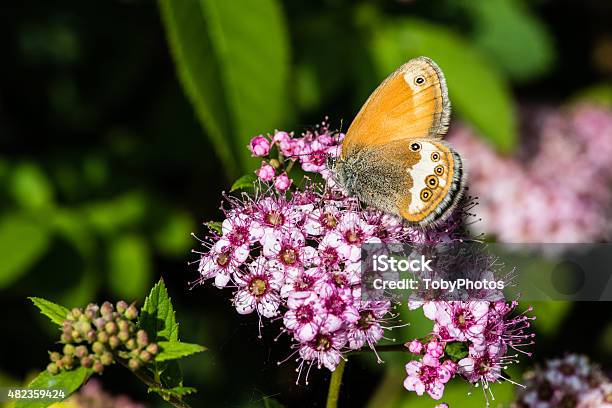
(425, 378)
(222, 262)
(368, 329)
(349, 234)
(259, 146)
(481, 366)
(415, 346)
(324, 349)
(258, 290)
(305, 315)
(280, 136)
(463, 320)
(282, 182)
(265, 172)
(287, 250)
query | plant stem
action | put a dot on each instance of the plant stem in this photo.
(146, 377)
(334, 385)
(382, 349)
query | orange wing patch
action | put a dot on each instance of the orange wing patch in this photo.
(411, 103)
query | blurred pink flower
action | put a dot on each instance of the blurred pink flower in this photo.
(563, 382)
(555, 188)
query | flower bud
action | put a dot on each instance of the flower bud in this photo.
(106, 309)
(68, 349)
(67, 361)
(103, 337)
(98, 367)
(145, 356)
(83, 327)
(259, 146)
(110, 327)
(87, 362)
(80, 351)
(59, 363)
(275, 163)
(130, 344)
(134, 364)
(91, 336)
(76, 313)
(142, 339)
(265, 172)
(282, 182)
(99, 323)
(123, 336)
(93, 308)
(66, 338)
(131, 313)
(98, 347)
(106, 358)
(113, 342)
(54, 356)
(123, 325)
(52, 368)
(152, 348)
(76, 336)
(121, 306)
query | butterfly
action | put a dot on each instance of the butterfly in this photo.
(393, 157)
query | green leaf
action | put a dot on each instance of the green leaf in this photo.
(68, 381)
(513, 36)
(22, 242)
(172, 350)
(245, 181)
(232, 60)
(53, 311)
(30, 187)
(476, 89)
(456, 350)
(129, 266)
(157, 315)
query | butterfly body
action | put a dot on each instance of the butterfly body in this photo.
(393, 157)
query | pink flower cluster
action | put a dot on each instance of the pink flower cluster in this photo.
(293, 255)
(559, 178)
(571, 381)
(298, 257)
(485, 332)
(311, 150)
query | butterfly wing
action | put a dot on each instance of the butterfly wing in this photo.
(399, 130)
(411, 103)
(436, 182)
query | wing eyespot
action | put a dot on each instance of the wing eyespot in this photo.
(431, 181)
(419, 80)
(435, 156)
(426, 194)
(415, 147)
(439, 170)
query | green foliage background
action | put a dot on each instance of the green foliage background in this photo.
(122, 121)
